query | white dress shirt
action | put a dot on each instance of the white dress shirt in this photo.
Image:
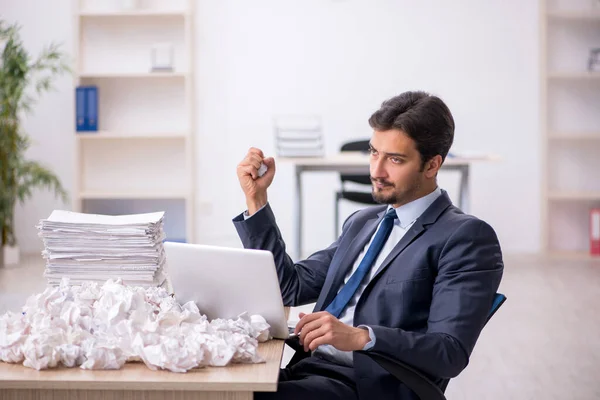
(407, 215)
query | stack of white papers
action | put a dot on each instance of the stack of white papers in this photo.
(90, 247)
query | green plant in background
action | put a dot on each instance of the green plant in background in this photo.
(21, 80)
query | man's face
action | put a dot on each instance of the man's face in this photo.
(395, 168)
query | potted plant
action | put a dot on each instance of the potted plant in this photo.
(22, 78)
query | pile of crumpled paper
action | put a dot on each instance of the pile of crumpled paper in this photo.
(103, 327)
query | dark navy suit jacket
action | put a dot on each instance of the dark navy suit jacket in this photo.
(428, 302)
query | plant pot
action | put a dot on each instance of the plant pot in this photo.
(9, 255)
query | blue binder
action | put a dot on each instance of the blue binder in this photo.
(80, 121)
(92, 108)
(86, 108)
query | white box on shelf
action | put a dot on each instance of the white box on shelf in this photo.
(162, 57)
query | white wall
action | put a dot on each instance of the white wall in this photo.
(339, 59)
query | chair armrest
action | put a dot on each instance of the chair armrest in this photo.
(424, 388)
(294, 343)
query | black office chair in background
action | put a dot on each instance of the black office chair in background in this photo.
(362, 197)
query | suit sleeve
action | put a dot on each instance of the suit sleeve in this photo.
(469, 272)
(300, 282)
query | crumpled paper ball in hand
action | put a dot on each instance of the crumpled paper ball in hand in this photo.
(103, 327)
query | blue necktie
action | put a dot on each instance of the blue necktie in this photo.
(343, 297)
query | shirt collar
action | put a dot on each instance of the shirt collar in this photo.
(409, 212)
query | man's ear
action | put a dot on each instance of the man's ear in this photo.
(433, 166)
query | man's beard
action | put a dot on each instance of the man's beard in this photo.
(395, 196)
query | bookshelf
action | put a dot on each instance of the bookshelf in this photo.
(141, 158)
(570, 125)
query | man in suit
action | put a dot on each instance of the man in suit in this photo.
(413, 279)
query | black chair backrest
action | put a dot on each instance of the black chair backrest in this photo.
(358, 145)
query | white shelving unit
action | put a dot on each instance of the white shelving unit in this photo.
(570, 100)
(141, 158)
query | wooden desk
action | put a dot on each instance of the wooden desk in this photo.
(358, 163)
(136, 381)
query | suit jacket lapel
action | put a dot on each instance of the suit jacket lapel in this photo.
(427, 218)
(407, 239)
(345, 265)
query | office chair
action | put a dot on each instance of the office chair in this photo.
(416, 381)
(362, 197)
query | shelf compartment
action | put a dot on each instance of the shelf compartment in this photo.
(133, 168)
(572, 167)
(140, 106)
(570, 227)
(573, 106)
(111, 47)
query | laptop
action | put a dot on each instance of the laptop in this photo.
(225, 282)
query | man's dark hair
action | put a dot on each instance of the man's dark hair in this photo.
(423, 117)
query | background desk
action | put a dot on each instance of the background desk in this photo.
(358, 163)
(136, 381)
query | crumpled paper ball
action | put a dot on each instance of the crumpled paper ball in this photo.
(103, 327)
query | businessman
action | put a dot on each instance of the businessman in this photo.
(413, 278)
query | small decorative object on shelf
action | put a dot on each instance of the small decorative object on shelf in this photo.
(128, 4)
(594, 60)
(162, 57)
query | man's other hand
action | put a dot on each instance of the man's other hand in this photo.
(323, 328)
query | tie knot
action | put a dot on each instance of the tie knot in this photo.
(391, 214)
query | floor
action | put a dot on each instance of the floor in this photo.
(544, 343)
